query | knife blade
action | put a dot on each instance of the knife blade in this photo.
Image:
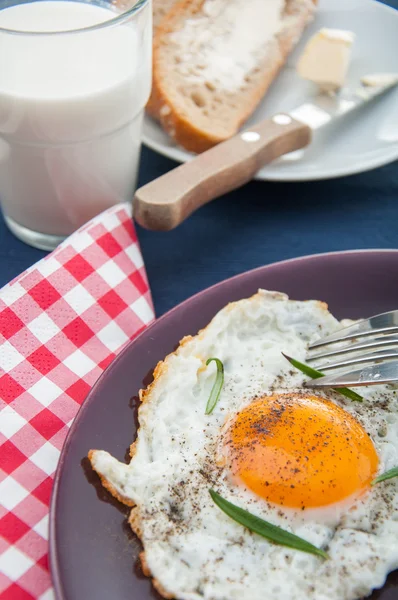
(165, 202)
(326, 108)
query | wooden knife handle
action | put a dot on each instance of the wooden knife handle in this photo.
(165, 202)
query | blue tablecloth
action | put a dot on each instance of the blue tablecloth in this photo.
(261, 223)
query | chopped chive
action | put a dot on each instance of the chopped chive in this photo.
(314, 374)
(386, 475)
(215, 392)
(273, 533)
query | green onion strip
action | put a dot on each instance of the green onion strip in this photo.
(273, 533)
(215, 392)
(314, 374)
(386, 475)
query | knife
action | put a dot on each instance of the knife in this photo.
(165, 202)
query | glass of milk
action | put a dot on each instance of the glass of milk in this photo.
(74, 79)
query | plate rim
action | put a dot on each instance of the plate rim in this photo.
(54, 564)
(180, 155)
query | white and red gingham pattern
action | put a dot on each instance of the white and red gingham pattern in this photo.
(61, 323)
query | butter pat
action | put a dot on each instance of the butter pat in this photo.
(326, 57)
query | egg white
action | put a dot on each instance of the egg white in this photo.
(192, 549)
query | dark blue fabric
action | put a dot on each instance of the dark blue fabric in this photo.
(256, 225)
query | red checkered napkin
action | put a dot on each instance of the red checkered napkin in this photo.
(61, 323)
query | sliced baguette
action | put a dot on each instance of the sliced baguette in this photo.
(160, 8)
(201, 101)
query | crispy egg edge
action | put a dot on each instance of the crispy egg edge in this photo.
(144, 395)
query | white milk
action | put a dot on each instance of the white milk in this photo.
(71, 108)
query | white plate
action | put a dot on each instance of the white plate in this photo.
(363, 141)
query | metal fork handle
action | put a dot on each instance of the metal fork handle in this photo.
(374, 375)
(385, 323)
(380, 342)
(363, 359)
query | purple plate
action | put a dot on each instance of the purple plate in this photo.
(92, 550)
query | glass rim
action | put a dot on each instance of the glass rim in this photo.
(119, 18)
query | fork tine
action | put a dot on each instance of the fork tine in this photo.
(374, 375)
(384, 323)
(365, 358)
(388, 340)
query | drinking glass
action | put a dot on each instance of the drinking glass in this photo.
(74, 80)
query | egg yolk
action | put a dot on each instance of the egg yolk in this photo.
(300, 451)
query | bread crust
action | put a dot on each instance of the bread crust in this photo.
(163, 106)
(160, 10)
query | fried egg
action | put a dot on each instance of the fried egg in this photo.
(300, 459)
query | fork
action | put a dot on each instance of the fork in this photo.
(371, 344)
